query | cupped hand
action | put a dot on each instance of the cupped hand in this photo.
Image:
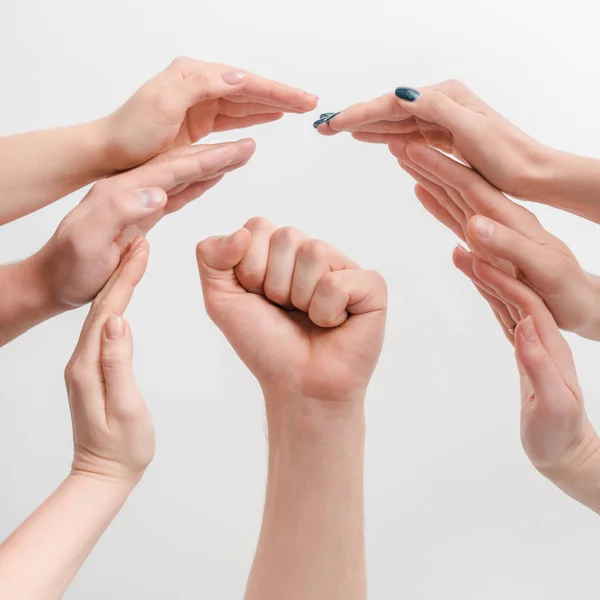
(450, 117)
(113, 433)
(191, 99)
(505, 234)
(86, 248)
(555, 430)
(304, 318)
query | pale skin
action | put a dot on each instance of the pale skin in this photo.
(85, 250)
(309, 324)
(113, 438)
(181, 105)
(504, 234)
(556, 433)
(449, 117)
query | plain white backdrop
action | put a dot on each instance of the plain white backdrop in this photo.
(454, 509)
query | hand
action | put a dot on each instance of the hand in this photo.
(556, 433)
(450, 117)
(506, 235)
(112, 429)
(189, 100)
(305, 319)
(86, 248)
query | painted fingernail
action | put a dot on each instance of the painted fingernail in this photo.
(406, 93)
(114, 328)
(234, 77)
(151, 198)
(484, 227)
(528, 329)
(325, 118)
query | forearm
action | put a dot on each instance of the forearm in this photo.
(312, 541)
(24, 299)
(41, 558)
(40, 167)
(569, 182)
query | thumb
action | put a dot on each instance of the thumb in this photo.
(116, 360)
(435, 107)
(115, 213)
(217, 258)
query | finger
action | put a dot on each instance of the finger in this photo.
(506, 314)
(385, 138)
(228, 123)
(112, 300)
(436, 209)
(545, 376)
(202, 164)
(404, 126)
(122, 396)
(217, 258)
(252, 269)
(238, 110)
(283, 250)
(101, 226)
(277, 94)
(538, 263)
(479, 195)
(528, 303)
(314, 260)
(203, 85)
(380, 109)
(435, 106)
(340, 293)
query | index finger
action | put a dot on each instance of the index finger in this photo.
(384, 108)
(261, 89)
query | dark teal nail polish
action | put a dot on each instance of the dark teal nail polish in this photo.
(408, 94)
(331, 115)
(325, 115)
(319, 122)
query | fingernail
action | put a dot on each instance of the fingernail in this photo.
(326, 115)
(406, 93)
(528, 330)
(484, 227)
(319, 122)
(151, 198)
(331, 117)
(114, 328)
(462, 250)
(234, 77)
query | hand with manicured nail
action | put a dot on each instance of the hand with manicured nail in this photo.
(191, 99)
(309, 324)
(303, 317)
(85, 250)
(555, 431)
(450, 117)
(113, 438)
(504, 234)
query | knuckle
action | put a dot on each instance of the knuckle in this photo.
(258, 224)
(77, 375)
(456, 85)
(330, 285)
(286, 235)
(314, 250)
(181, 61)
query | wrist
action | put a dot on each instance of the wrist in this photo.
(578, 475)
(309, 420)
(117, 486)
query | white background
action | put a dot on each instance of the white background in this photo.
(454, 509)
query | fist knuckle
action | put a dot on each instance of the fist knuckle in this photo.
(286, 235)
(258, 224)
(314, 251)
